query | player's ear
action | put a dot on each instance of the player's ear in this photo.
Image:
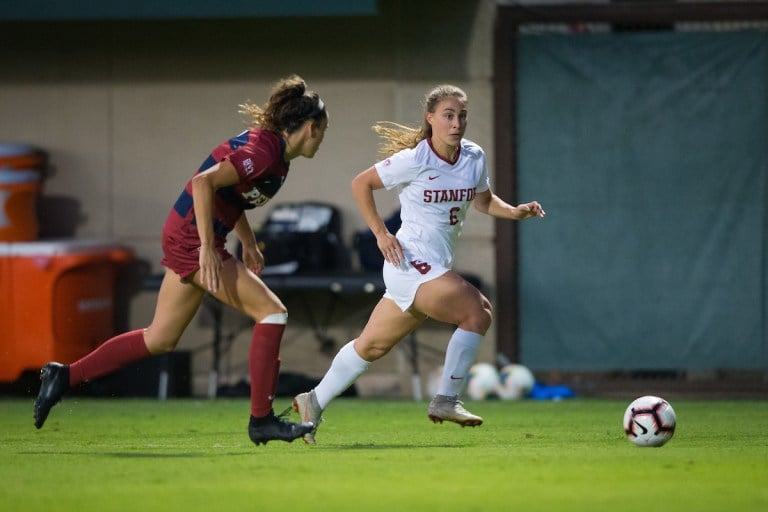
(429, 117)
(317, 127)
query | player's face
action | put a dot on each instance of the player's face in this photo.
(448, 121)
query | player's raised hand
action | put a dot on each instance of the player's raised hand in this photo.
(529, 210)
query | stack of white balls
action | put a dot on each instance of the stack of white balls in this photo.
(512, 382)
(484, 381)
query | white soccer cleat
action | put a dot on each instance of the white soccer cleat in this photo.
(306, 405)
(450, 408)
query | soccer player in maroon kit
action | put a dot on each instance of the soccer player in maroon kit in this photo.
(240, 174)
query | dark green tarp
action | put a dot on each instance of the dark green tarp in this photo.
(649, 152)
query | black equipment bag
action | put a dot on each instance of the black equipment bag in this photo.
(364, 243)
(303, 237)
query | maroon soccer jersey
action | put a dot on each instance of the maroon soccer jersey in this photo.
(257, 155)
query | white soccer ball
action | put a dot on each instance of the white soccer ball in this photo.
(483, 381)
(649, 421)
(515, 382)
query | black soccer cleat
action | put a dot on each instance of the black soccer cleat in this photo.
(54, 379)
(271, 427)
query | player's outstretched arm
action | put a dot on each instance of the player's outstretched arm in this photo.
(489, 203)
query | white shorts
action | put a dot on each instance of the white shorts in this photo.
(402, 281)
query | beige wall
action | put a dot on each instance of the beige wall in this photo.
(128, 110)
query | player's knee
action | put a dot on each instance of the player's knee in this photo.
(273, 310)
(371, 351)
(159, 345)
(479, 319)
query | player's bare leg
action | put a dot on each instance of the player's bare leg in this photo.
(453, 300)
(386, 326)
(242, 290)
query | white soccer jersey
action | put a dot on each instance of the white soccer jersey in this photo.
(434, 196)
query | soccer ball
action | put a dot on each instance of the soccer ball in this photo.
(649, 421)
(515, 382)
(483, 381)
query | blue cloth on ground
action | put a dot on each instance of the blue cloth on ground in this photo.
(545, 392)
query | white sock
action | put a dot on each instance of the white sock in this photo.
(275, 318)
(459, 356)
(346, 367)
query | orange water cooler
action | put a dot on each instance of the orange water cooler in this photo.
(56, 301)
(22, 170)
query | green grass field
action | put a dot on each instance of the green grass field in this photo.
(190, 455)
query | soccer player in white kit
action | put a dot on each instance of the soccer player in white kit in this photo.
(437, 174)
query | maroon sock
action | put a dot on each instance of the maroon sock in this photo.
(111, 355)
(264, 365)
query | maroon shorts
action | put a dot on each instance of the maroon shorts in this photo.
(181, 250)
